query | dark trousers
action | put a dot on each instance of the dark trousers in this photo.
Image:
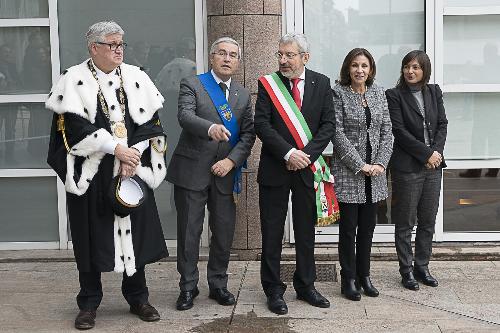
(415, 198)
(134, 289)
(273, 202)
(190, 216)
(356, 226)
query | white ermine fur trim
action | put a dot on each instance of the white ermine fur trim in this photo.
(144, 99)
(76, 92)
(156, 174)
(89, 148)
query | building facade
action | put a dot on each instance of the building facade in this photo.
(170, 39)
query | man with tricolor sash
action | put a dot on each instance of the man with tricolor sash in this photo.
(294, 119)
(217, 135)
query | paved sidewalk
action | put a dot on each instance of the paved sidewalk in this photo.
(40, 297)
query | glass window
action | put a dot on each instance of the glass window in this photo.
(471, 3)
(471, 200)
(24, 135)
(29, 209)
(25, 66)
(12, 9)
(388, 29)
(473, 130)
(471, 49)
(161, 39)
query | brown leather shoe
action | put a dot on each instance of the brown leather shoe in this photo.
(85, 319)
(145, 312)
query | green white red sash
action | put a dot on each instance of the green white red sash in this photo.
(326, 202)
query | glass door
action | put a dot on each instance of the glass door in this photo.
(387, 28)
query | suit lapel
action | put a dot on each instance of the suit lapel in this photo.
(410, 99)
(308, 91)
(233, 96)
(427, 103)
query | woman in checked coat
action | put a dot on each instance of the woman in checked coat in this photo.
(362, 149)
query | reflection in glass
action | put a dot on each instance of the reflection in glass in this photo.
(25, 66)
(24, 135)
(473, 130)
(387, 28)
(13, 9)
(29, 209)
(160, 39)
(471, 203)
(471, 49)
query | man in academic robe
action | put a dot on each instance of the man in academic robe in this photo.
(106, 125)
(285, 166)
(217, 135)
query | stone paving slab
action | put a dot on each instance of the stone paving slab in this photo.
(40, 296)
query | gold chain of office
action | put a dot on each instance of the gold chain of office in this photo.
(118, 127)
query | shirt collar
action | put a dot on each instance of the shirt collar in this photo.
(218, 80)
(101, 73)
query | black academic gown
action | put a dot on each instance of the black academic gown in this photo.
(90, 215)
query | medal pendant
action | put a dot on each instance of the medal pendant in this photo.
(120, 130)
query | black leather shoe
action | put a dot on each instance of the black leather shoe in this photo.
(349, 290)
(85, 319)
(425, 277)
(222, 296)
(368, 288)
(185, 299)
(276, 304)
(314, 298)
(408, 281)
(146, 312)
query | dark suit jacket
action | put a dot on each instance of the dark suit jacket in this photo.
(317, 108)
(195, 153)
(410, 152)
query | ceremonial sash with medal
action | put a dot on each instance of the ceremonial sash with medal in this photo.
(224, 110)
(327, 205)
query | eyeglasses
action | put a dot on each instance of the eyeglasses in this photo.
(288, 55)
(223, 54)
(414, 67)
(114, 46)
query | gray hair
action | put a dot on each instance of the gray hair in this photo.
(99, 30)
(300, 39)
(225, 40)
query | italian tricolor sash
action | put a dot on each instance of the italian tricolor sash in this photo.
(326, 202)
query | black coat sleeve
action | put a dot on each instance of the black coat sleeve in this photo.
(442, 123)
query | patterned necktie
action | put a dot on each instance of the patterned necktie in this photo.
(223, 86)
(296, 92)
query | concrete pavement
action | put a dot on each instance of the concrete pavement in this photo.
(40, 296)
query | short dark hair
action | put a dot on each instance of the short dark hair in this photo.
(345, 77)
(423, 60)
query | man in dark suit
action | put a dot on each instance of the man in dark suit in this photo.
(284, 167)
(203, 169)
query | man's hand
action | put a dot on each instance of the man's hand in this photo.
(298, 160)
(219, 133)
(222, 167)
(435, 159)
(130, 156)
(127, 170)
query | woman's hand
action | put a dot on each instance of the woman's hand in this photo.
(435, 160)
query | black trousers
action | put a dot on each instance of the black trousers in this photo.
(273, 203)
(190, 216)
(134, 289)
(356, 226)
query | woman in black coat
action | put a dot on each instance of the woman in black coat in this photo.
(419, 126)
